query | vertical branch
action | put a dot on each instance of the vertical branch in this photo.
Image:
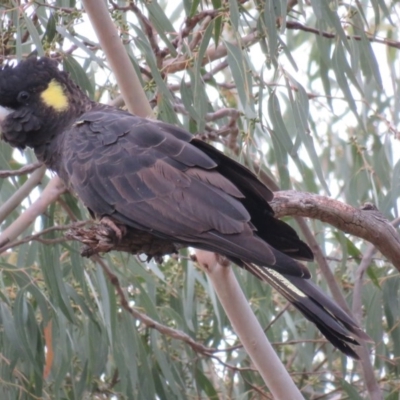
(128, 82)
(248, 328)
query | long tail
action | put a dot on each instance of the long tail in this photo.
(334, 323)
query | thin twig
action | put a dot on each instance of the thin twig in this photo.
(37, 236)
(212, 54)
(294, 25)
(26, 169)
(145, 319)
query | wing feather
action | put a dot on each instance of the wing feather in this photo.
(154, 176)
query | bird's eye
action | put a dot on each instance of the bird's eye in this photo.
(23, 97)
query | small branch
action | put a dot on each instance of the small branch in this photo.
(359, 280)
(16, 199)
(37, 236)
(50, 193)
(191, 22)
(208, 76)
(323, 265)
(26, 169)
(146, 26)
(212, 54)
(100, 238)
(222, 113)
(294, 25)
(368, 371)
(214, 116)
(67, 10)
(146, 320)
(198, 35)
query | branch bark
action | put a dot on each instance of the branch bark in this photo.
(49, 195)
(212, 54)
(366, 223)
(295, 25)
(146, 320)
(121, 65)
(24, 191)
(248, 328)
(368, 372)
(26, 169)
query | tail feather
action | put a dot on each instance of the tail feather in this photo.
(333, 322)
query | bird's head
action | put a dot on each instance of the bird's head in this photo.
(37, 101)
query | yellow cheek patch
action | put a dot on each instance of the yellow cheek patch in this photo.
(55, 97)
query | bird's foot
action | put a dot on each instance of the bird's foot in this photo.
(119, 230)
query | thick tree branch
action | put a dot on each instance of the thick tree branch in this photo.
(366, 223)
(365, 362)
(248, 328)
(120, 63)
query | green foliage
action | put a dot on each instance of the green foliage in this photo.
(314, 112)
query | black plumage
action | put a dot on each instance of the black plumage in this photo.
(155, 177)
